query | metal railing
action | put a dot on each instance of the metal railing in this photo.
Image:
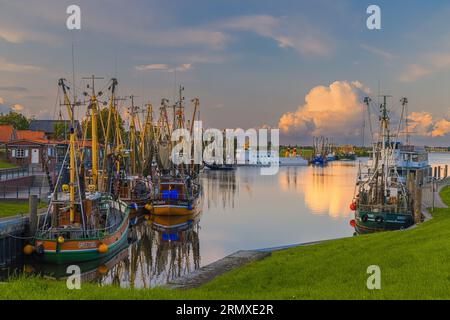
(13, 173)
(78, 233)
(22, 192)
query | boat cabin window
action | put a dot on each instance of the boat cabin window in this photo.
(172, 191)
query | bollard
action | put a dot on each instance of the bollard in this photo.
(33, 205)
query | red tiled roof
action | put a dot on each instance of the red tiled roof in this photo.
(30, 135)
(6, 133)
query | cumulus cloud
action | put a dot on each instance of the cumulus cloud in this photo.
(17, 108)
(423, 124)
(328, 110)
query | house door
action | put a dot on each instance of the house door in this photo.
(34, 156)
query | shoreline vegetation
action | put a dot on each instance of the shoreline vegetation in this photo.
(413, 263)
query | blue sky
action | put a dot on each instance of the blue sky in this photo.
(250, 62)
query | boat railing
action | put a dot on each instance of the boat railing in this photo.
(394, 208)
(53, 233)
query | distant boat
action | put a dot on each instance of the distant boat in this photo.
(319, 160)
(331, 157)
(293, 161)
(265, 159)
(346, 153)
(220, 167)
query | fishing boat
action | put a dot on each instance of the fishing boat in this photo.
(319, 160)
(175, 196)
(79, 226)
(220, 167)
(176, 187)
(124, 162)
(346, 153)
(292, 158)
(383, 201)
(320, 152)
(81, 223)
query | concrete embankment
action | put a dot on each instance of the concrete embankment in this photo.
(12, 237)
(209, 272)
(15, 232)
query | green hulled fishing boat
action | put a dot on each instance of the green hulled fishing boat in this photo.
(382, 201)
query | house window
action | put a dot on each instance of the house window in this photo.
(20, 153)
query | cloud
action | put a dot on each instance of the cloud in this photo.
(433, 62)
(283, 32)
(156, 66)
(164, 67)
(379, 52)
(328, 110)
(420, 123)
(182, 68)
(441, 128)
(423, 124)
(2, 101)
(17, 108)
(7, 66)
(414, 72)
(14, 89)
(10, 36)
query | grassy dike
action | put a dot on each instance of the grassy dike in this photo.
(415, 264)
(14, 208)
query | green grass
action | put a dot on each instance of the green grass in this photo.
(6, 165)
(414, 265)
(305, 153)
(13, 208)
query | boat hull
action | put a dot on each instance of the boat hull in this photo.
(370, 222)
(175, 208)
(84, 249)
(220, 167)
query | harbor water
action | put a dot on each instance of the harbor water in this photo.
(241, 210)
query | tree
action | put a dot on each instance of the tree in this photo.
(17, 120)
(104, 118)
(62, 130)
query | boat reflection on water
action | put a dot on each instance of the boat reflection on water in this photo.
(219, 189)
(161, 248)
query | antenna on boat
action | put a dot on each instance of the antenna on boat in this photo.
(367, 101)
(73, 74)
(404, 102)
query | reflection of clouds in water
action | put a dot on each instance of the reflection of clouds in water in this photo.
(326, 190)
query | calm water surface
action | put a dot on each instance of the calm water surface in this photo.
(240, 210)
